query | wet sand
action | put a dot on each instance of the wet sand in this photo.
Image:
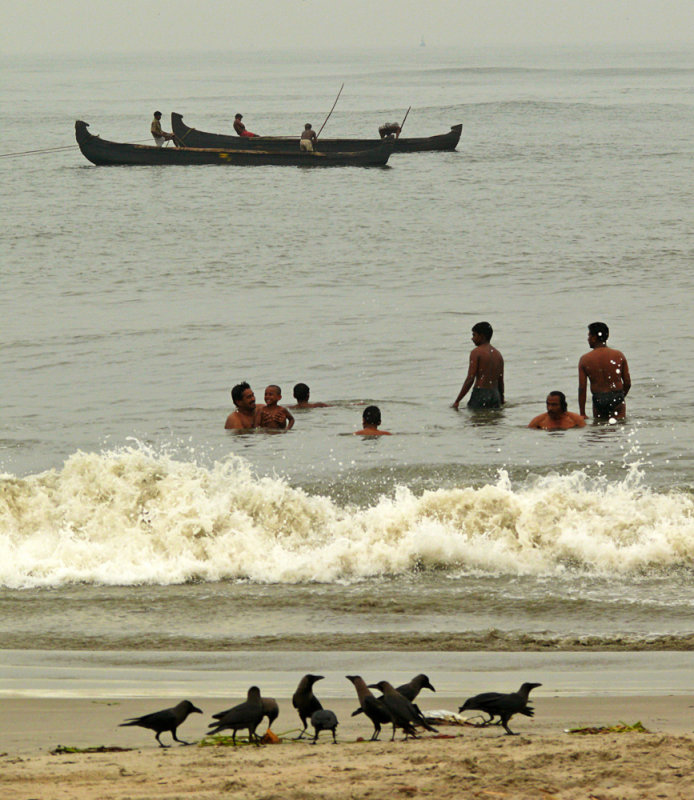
(543, 761)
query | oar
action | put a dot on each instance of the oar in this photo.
(331, 110)
(404, 118)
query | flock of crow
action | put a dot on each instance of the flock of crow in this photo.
(395, 706)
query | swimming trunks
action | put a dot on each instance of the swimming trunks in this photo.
(484, 398)
(606, 403)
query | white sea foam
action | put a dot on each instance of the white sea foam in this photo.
(133, 516)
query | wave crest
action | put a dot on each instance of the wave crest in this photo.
(133, 517)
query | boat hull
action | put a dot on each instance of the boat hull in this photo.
(191, 137)
(104, 153)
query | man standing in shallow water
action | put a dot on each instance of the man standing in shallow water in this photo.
(244, 416)
(485, 373)
(608, 373)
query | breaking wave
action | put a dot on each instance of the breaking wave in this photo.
(135, 517)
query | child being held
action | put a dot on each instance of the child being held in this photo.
(272, 415)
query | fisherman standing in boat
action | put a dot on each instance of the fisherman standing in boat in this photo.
(308, 138)
(240, 128)
(159, 135)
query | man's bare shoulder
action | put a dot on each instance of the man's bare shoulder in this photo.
(233, 421)
(539, 421)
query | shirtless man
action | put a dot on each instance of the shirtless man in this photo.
(557, 417)
(389, 129)
(301, 395)
(371, 419)
(272, 415)
(608, 373)
(485, 373)
(244, 416)
(158, 134)
(308, 138)
(240, 128)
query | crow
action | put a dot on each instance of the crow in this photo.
(503, 706)
(304, 701)
(372, 706)
(404, 714)
(245, 715)
(323, 720)
(167, 720)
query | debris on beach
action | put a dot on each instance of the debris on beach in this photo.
(621, 727)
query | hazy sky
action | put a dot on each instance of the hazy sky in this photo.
(80, 26)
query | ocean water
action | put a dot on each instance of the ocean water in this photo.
(134, 298)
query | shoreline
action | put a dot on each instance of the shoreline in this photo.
(542, 761)
(155, 673)
(77, 699)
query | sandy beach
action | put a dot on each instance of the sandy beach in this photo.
(543, 761)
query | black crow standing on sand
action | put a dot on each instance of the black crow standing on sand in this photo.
(270, 710)
(323, 720)
(167, 720)
(502, 705)
(371, 706)
(245, 715)
(403, 713)
(304, 701)
(412, 688)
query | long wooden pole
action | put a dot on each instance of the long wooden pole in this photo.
(404, 118)
(331, 110)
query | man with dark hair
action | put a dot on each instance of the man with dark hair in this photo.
(608, 373)
(240, 128)
(389, 129)
(371, 419)
(557, 416)
(158, 134)
(308, 139)
(244, 416)
(485, 373)
(301, 395)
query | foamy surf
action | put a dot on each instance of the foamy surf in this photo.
(136, 517)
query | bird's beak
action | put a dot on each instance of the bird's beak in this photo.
(195, 710)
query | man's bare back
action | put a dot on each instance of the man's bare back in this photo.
(485, 372)
(608, 373)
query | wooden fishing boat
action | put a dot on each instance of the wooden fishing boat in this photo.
(192, 137)
(102, 153)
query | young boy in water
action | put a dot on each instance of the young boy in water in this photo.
(301, 395)
(272, 415)
(371, 419)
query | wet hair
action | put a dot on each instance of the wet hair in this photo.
(484, 328)
(562, 399)
(371, 415)
(157, 113)
(301, 392)
(238, 390)
(600, 330)
(238, 116)
(307, 126)
(274, 386)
